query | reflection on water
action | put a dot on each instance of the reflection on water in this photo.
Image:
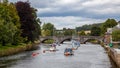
(87, 56)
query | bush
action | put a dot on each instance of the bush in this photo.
(116, 35)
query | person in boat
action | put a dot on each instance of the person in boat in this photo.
(68, 51)
(54, 45)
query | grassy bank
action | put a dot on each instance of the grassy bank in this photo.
(49, 41)
(10, 49)
(94, 41)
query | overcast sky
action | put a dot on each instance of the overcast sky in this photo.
(74, 13)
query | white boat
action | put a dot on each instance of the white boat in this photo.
(52, 48)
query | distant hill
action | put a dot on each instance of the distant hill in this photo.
(88, 27)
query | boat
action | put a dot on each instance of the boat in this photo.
(52, 48)
(68, 51)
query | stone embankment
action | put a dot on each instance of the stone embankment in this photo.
(114, 54)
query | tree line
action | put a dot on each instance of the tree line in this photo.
(18, 23)
(99, 29)
(48, 29)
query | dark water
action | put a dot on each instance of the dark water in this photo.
(87, 56)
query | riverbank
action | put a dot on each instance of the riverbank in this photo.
(114, 56)
(10, 50)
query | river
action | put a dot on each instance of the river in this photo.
(86, 56)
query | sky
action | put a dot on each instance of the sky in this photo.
(75, 13)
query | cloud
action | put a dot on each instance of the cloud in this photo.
(69, 21)
(84, 8)
(94, 3)
(103, 7)
(106, 10)
(72, 13)
(61, 7)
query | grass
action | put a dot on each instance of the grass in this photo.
(13, 49)
(10, 46)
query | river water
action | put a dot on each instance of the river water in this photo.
(86, 56)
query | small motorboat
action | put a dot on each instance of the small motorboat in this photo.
(68, 51)
(52, 48)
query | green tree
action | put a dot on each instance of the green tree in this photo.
(116, 35)
(48, 27)
(46, 33)
(95, 31)
(9, 24)
(109, 23)
(68, 32)
(87, 27)
(37, 24)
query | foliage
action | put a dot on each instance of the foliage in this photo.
(37, 24)
(29, 22)
(81, 33)
(48, 29)
(9, 24)
(87, 27)
(109, 23)
(95, 31)
(68, 32)
(116, 35)
(46, 33)
(59, 33)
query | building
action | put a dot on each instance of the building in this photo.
(87, 32)
(108, 36)
(117, 27)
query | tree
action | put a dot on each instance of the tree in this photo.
(9, 24)
(109, 23)
(87, 27)
(29, 23)
(48, 27)
(46, 33)
(37, 24)
(95, 31)
(81, 33)
(68, 32)
(116, 35)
